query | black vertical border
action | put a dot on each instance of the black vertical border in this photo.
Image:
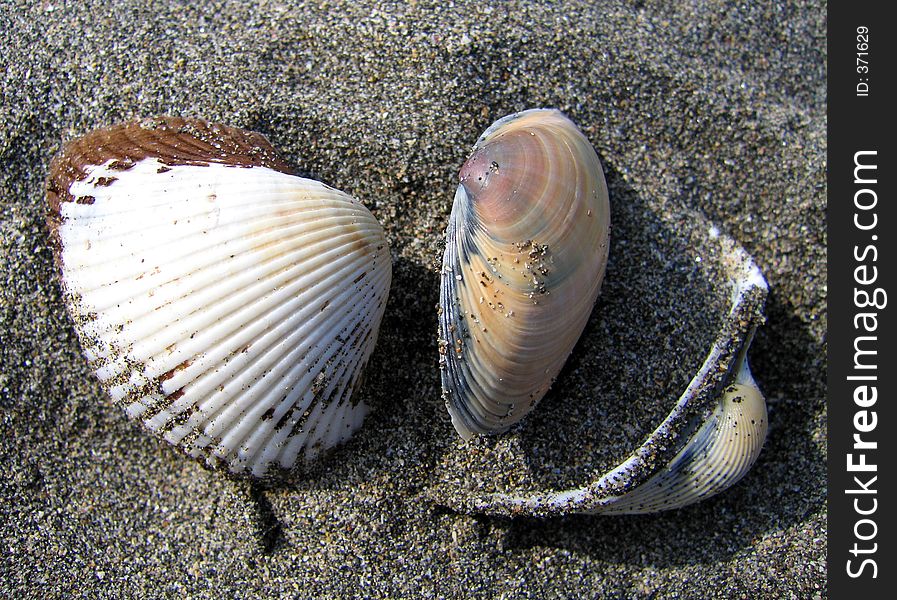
(859, 123)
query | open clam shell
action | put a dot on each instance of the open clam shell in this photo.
(659, 408)
(525, 254)
(227, 304)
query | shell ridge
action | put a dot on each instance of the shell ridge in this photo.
(326, 353)
(272, 390)
(270, 231)
(127, 143)
(347, 353)
(187, 349)
(714, 459)
(350, 408)
(176, 239)
(283, 272)
(231, 303)
(276, 337)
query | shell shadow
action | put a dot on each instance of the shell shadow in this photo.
(401, 386)
(269, 528)
(656, 317)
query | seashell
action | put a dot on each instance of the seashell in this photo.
(715, 457)
(721, 447)
(226, 303)
(710, 439)
(525, 254)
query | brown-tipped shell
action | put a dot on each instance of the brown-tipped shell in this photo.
(526, 250)
(228, 305)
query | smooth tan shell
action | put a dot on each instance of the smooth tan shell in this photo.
(525, 254)
(227, 304)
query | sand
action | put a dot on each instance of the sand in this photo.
(698, 111)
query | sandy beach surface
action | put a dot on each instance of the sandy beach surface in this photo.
(701, 112)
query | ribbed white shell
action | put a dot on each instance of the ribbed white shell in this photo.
(231, 309)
